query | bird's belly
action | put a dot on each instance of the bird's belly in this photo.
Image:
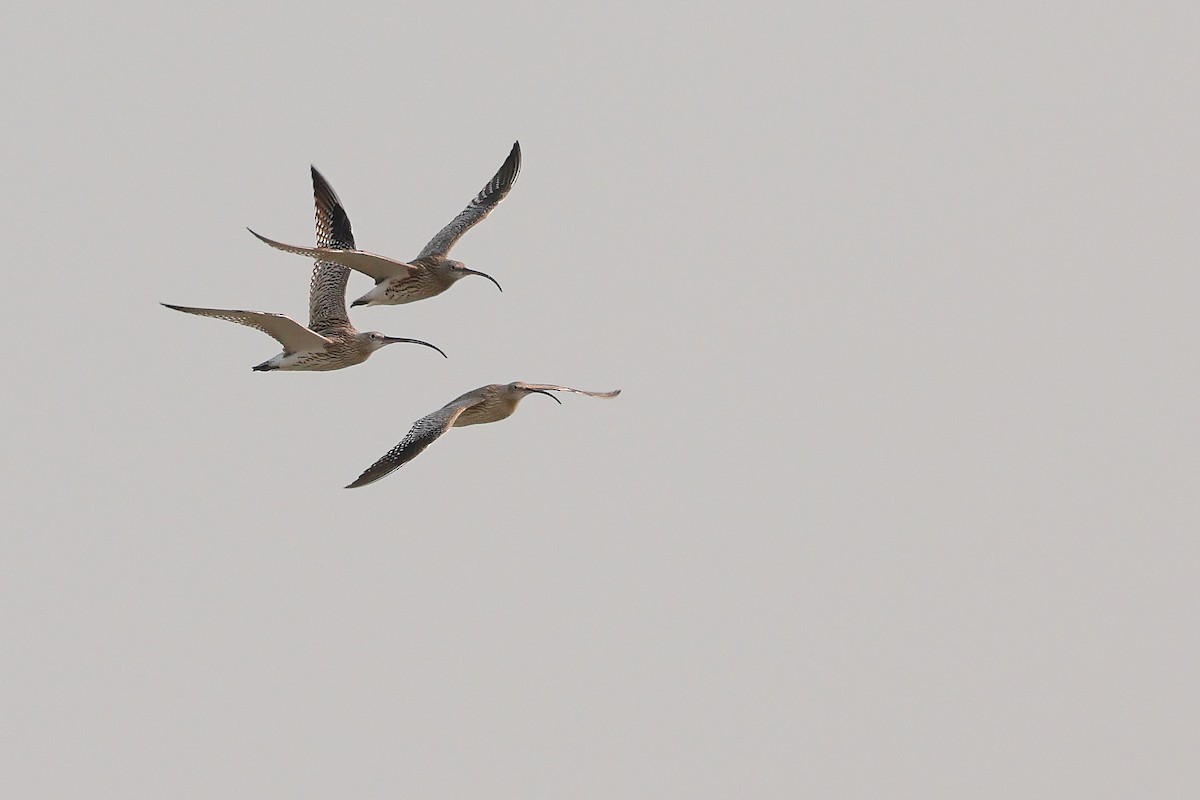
(410, 290)
(320, 360)
(478, 416)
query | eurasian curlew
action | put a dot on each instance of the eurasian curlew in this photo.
(431, 272)
(330, 341)
(490, 403)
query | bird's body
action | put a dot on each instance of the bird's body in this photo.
(339, 353)
(490, 403)
(304, 348)
(428, 278)
(431, 272)
(330, 341)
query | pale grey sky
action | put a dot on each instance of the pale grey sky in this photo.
(899, 499)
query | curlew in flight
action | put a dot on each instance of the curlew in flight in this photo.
(431, 272)
(330, 341)
(490, 403)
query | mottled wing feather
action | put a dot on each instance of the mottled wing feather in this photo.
(291, 334)
(327, 290)
(378, 267)
(487, 199)
(548, 387)
(422, 434)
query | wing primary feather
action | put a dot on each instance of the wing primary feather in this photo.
(552, 388)
(423, 433)
(488, 198)
(327, 288)
(291, 334)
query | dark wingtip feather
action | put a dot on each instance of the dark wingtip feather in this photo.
(362, 480)
(184, 309)
(512, 165)
(340, 234)
(339, 223)
(322, 191)
(259, 236)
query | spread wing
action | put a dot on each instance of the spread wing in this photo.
(548, 387)
(327, 290)
(491, 195)
(422, 434)
(291, 334)
(378, 267)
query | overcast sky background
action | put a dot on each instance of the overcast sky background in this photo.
(899, 499)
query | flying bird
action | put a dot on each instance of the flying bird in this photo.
(330, 341)
(490, 403)
(431, 272)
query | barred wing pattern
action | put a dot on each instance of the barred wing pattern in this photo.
(422, 434)
(487, 199)
(327, 290)
(292, 335)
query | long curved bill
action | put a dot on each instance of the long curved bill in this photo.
(483, 275)
(552, 397)
(394, 339)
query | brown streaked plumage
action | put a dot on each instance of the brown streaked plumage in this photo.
(431, 272)
(490, 403)
(330, 341)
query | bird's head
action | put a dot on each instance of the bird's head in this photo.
(456, 271)
(522, 389)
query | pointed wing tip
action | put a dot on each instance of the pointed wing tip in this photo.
(363, 480)
(369, 475)
(513, 162)
(270, 242)
(318, 179)
(322, 190)
(506, 176)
